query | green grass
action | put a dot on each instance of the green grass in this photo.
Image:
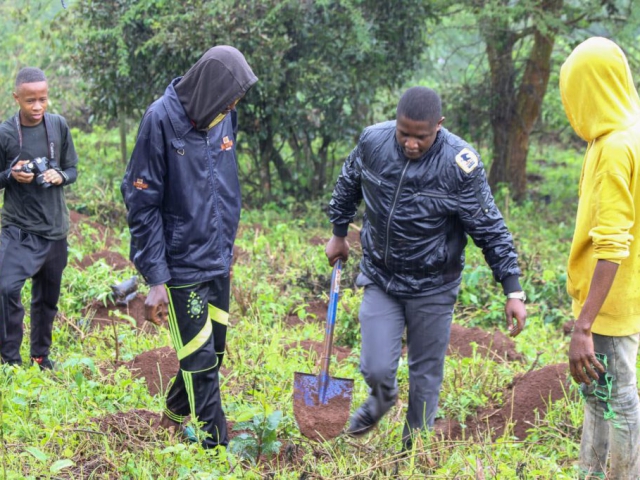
(50, 420)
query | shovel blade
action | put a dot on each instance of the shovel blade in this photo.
(321, 406)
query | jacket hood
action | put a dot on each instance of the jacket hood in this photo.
(221, 76)
(597, 89)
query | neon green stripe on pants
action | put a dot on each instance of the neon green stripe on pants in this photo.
(218, 315)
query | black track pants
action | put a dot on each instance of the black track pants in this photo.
(22, 256)
(198, 317)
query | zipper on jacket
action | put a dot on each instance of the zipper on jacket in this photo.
(393, 207)
(372, 176)
(211, 172)
(432, 195)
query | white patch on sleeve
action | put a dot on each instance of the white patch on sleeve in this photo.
(467, 160)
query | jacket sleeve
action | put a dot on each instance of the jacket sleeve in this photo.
(613, 207)
(347, 193)
(483, 222)
(143, 191)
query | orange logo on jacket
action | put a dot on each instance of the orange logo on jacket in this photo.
(140, 184)
(227, 143)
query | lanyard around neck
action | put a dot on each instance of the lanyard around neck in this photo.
(47, 127)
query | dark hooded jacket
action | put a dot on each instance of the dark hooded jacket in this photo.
(181, 185)
(418, 213)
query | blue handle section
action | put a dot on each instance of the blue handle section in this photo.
(334, 295)
(323, 378)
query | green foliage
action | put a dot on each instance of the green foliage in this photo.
(320, 65)
(49, 420)
(259, 437)
(30, 38)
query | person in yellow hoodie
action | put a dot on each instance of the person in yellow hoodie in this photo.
(603, 107)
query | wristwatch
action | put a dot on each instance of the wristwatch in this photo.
(517, 295)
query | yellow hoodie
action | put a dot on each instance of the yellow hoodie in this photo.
(603, 107)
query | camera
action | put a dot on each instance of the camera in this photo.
(38, 166)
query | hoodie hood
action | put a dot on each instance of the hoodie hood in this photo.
(220, 77)
(598, 65)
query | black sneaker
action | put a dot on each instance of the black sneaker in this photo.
(45, 363)
(361, 423)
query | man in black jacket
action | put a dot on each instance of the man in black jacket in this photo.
(424, 191)
(37, 159)
(182, 193)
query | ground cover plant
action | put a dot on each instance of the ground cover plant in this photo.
(508, 409)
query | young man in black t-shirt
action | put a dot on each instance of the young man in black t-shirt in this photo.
(37, 158)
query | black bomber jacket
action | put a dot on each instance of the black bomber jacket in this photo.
(418, 213)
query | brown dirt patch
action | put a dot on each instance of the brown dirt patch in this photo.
(134, 424)
(527, 401)
(124, 431)
(496, 345)
(316, 311)
(157, 367)
(321, 419)
(100, 234)
(113, 259)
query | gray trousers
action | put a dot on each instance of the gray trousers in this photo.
(383, 319)
(611, 428)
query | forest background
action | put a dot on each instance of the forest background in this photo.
(327, 69)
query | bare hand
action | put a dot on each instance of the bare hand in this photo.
(20, 176)
(337, 247)
(583, 364)
(516, 314)
(155, 306)
(53, 177)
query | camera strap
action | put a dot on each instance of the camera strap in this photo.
(47, 127)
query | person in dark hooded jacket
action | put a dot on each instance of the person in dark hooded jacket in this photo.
(424, 191)
(182, 194)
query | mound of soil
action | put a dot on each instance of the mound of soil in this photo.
(157, 367)
(527, 401)
(495, 345)
(323, 418)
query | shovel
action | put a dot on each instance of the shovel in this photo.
(321, 403)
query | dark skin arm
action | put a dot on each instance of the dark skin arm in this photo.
(337, 247)
(582, 359)
(516, 314)
(155, 306)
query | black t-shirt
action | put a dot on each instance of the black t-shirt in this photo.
(34, 142)
(29, 206)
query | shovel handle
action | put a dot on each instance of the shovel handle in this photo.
(331, 321)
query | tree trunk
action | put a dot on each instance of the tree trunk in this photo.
(514, 114)
(500, 42)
